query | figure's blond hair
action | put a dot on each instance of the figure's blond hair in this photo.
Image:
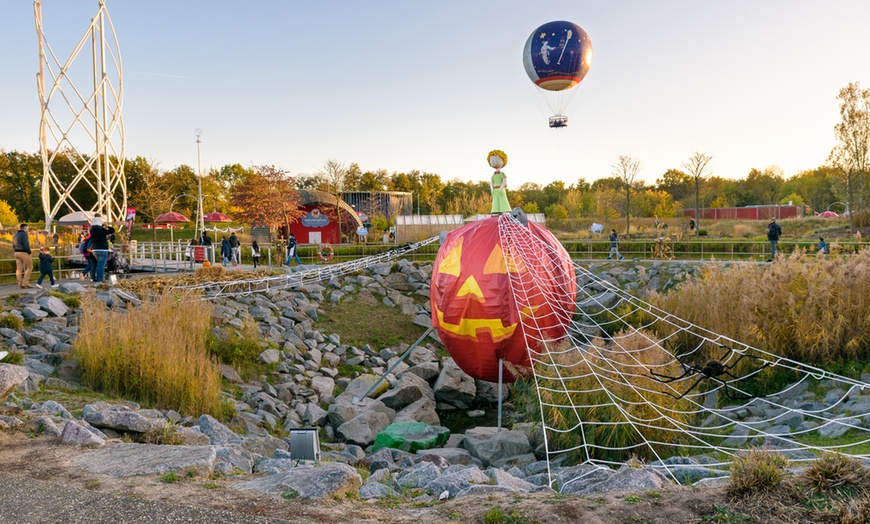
(498, 153)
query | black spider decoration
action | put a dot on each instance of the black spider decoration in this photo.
(712, 370)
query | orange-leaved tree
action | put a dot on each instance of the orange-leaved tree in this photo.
(268, 197)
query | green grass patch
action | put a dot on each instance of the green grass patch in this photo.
(10, 321)
(497, 515)
(378, 325)
(169, 478)
(14, 357)
(71, 301)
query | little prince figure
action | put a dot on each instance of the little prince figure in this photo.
(498, 184)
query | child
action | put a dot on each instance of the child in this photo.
(823, 246)
(45, 267)
(255, 253)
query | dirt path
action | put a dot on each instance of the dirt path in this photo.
(38, 485)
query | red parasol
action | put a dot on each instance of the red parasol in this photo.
(171, 218)
(216, 216)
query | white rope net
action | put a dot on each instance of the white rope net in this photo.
(630, 380)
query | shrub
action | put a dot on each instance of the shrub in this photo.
(210, 272)
(756, 471)
(239, 349)
(154, 354)
(14, 357)
(805, 308)
(838, 473)
(861, 219)
(10, 321)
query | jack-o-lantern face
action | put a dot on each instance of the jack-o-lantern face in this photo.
(473, 306)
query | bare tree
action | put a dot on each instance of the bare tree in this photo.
(698, 166)
(626, 170)
(151, 197)
(334, 172)
(851, 155)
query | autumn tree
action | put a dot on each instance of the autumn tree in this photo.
(698, 166)
(267, 196)
(626, 170)
(851, 154)
(151, 196)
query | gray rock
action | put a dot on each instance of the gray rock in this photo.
(128, 460)
(46, 426)
(627, 478)
(457, 481)
(52, 407)
(33, 314)
(71, 288)
(503, 478)
(327, 481)
(422, 410)
(53, 305)
(428, 371)
(191, 436)
(363, 428)
(376, 490)
(455, 456)
(324, 386)
(409, 389)
(75, 434)
(216, 432)
(270, 356)
(231, 459)
(419, 476)
(11, 376)
(838, 427)
(120, 418)
(490, 445)
(454, 386)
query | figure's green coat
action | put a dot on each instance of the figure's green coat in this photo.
(500, 202)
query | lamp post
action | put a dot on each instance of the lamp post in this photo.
(200, 224)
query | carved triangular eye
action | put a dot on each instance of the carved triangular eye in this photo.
(495, 262)
(450, 264)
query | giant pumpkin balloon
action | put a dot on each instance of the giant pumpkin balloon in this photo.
(478, 315)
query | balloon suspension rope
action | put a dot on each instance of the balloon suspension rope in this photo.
(359, 400)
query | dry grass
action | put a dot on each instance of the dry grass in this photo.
(154, 354)
(159, 284)
(811, 309)
(756, 471)
(621, 376)
(834, 472)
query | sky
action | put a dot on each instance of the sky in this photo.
(435, 85)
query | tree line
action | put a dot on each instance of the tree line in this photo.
(244, 192)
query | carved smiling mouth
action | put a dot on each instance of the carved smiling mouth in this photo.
(469, 327)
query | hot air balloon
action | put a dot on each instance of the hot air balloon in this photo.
(474, 308)
(556, 57)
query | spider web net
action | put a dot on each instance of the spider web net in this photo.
(631, 380)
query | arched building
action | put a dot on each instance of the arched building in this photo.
(319, 223)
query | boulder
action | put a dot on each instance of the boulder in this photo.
(11, 376)
(119, 418)
(53, 305)
(129, 460)
(344, 409)
(376, 490)
(490, 445)
(363, 428)
(411, 436)
(457, 481)
(422, 410)
(454, 386)
(326, 481)
(362, 383)
(627, 478)
(74, 434)
(455, 456)
(409, 389)
(216, 432)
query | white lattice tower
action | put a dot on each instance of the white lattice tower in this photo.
(81, 120)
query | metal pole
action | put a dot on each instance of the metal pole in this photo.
(359, 400)
(500, 373)
(200, 223)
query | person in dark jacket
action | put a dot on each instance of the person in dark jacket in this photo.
(292, 250)
(90, 261)
(236, 249)
(206, 242)
(46, 268)
(226, 250)
(255, 253)
(100, 246)
(23, 256)
(773, 234)
(614, 245)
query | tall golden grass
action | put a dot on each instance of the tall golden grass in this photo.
(604, 376)
(154, 354)
(811, 309)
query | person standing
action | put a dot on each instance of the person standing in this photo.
(23, 256)
(614, 245)
(205, 241)
(226, 251)
(100, 246)
(773, 234)
(236, 249)
(46, 268)
(255, 253)
(292, 250)
(90, 263)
